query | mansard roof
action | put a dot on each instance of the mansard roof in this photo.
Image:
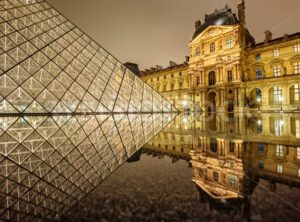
(220, 17)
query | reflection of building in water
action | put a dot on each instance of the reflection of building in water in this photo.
(47, 164)
(230, 153)
(218, 168)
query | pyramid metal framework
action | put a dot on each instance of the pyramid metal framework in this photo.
(48, 164)
(48, 65)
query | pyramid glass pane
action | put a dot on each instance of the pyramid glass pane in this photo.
(48, 65)
(57, 160)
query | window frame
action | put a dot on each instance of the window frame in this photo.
(212, 47)
(229, 42)
(277, 90)
(276, 53)
(297, 67)
(259, 73)
(229, 76)
(279, 150)
(279, 168)
(197, 51)
(277, 70)
(258, 57)
(297, 48)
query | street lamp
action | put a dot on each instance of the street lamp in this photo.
(258, 99)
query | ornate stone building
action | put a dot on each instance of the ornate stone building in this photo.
(172, 82)
(228, 71)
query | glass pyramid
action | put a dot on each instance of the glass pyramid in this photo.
(49, 163)
(48, 65)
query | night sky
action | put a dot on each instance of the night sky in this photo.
(153, 32)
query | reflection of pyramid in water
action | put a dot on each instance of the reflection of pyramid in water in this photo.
(48, 65)
(48, 164)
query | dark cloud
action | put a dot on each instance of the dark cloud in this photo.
(154, 32)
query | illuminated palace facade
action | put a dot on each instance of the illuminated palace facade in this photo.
(228, 71)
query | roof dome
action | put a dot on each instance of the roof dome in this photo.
(219, 17)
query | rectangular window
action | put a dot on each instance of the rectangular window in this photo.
(232, 181)
(212, 47)
(276, 52)
(165, 88)
(297, 48)
(165, 77)
(277, 70)
(297, 67)
(172, 75)
(197, 51)
(279, 168)
(261, 148)
(258, 57)
(179, 73)
(261, 164)
(231, 147)
(229, 75)
(180, 84)
(277, 94)
(297, 128)
(215, 176)
(278, 127)
(279, 150)
(259, 73)
(229, 42)
(151, 80)
(157, 78)
(298, 153)
(197, 80)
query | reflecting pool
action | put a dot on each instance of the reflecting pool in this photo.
(49, 163)
(199, 167)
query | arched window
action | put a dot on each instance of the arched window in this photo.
(211, 78)
(297, 67)
(229, 42)
(212, 47)
(198, 80)
(197, 51)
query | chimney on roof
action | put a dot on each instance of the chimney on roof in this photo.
(153, 69)
(158, 67)
(147, 70)
(268, 36)
(197, 24)
(172, 64)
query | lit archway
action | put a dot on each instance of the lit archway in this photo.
(255, 100)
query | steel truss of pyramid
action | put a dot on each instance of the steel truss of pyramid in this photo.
(48, 65)
(49, 163)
